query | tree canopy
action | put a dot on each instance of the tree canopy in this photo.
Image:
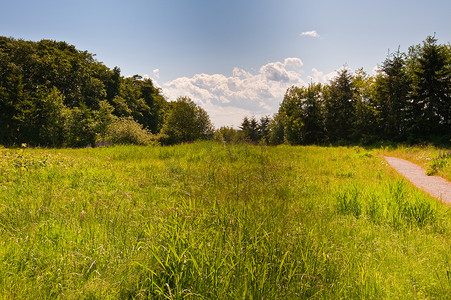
(186, 122)
(52, 94)
(408, 100)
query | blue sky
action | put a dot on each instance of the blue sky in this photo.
(234, 58)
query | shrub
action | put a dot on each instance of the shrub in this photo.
(126, 130)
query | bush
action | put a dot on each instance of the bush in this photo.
(126, 130)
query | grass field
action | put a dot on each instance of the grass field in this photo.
(206, 221)
(434, 160)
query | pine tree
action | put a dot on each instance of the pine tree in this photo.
(431, 96)
(340, 104)
(391, 97)
(313, 114)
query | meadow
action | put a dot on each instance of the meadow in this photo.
(436, 161)
(208, 221)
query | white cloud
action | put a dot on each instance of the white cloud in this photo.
(226, 116)
(237, 72)
(312, 33)
(228, 99)
(156, 72)
(154, 81)
(275, 72)
(293, 62)
(320, 77)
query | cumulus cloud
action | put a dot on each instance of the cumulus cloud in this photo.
(312, 33)
(154, 81)
(226, 115)
(278, 71)
(156, 72)
(293, 62)
(320, 77)
(228, 99)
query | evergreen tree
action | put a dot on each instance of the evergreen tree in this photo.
(245, 128)
(340, 102)
(263, 129)
(313, 114)
(391, 97)
(254, 133)
(431, 97)
(250, 130)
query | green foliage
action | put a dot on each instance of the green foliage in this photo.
(276, 131)
(104, 118)
(407, 101)
(229, 135)
(431, 70)
(51, 116)
(397, 209)
(139, 99)
(255, 131)
(127, 131)
(302, 115)
(43, 83)
(81, 127)
(340, 102)
(186, 122)
(52, 94)
(441, 161)
(264, 129)
(291, 114)
(391, 91)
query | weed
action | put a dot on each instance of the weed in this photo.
(439, 162)
(348, 201)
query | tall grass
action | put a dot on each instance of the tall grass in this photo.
(205, 221)
(435, 161)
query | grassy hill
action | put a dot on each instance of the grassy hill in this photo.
(208, 221)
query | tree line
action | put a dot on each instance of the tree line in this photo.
(52, 94)
(407, 101)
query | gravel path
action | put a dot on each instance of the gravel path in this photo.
(436, 186)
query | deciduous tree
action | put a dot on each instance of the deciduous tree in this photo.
(186, 122)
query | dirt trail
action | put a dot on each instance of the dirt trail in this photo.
(436, 186)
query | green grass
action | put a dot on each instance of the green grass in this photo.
(431, 158)
(205, 221)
